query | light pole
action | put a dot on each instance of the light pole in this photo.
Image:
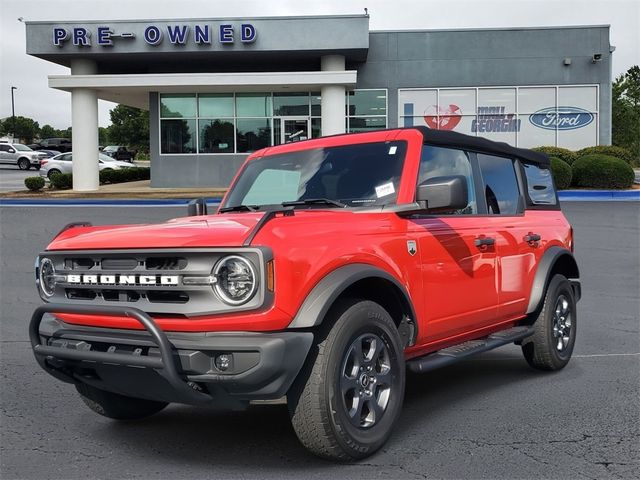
(13, 116)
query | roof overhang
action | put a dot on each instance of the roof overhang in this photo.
(134, 89)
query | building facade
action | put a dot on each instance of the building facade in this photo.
(218, 89)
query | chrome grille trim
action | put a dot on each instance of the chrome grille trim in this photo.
(157, 299)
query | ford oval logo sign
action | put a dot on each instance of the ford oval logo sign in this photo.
(562, 118)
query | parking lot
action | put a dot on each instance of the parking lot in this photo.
(489, 417)
(12, 178)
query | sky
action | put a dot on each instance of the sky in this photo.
(48, 106)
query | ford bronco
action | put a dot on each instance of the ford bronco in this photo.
(331, 267)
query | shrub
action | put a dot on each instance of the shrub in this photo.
(602, 171)
(61, 181)
(34, 183)
(562, 153)
(132, 174)
(561, 172)
(612, 151)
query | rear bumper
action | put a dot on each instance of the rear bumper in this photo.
(171, 367)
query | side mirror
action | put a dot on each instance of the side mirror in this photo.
(197, 207)
(444, 193)
(11, 150)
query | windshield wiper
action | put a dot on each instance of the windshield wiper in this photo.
(240, 208)
(314, 201)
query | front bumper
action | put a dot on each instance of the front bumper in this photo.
(170, 367)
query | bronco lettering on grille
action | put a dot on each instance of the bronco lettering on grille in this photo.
(152, 280)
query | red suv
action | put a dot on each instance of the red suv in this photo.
(331, 266)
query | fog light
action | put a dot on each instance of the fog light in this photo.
(224, 361)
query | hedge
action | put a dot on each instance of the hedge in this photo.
(561, 172)
(612, 151)
(132, 174)
(63, 181)
(34, 183)
(563, 154)
(602, 171)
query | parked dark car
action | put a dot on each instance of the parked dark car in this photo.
(119, 152)
(58, 144)
(50, 153)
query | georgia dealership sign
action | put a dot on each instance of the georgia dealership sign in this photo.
(562, 118)
(201, 34)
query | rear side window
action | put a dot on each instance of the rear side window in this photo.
(500, 184)
(540, 185)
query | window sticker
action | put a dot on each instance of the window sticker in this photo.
(384, 190)
(392, 150)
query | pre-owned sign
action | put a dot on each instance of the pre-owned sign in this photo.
(179, 34)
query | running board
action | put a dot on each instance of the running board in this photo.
(453, 354)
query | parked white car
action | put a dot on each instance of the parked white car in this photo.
(63, 164)
(20, 155)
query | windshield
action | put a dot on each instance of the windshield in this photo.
(106, 158)
(21, 148)
(354, 175)
(110, 148)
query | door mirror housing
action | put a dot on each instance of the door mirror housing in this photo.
(197, 207)
(11, 150)
(440, 194)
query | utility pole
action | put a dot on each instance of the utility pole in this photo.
(13, 116)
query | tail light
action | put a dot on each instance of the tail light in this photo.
(43, 162)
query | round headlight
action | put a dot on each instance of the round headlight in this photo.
(46, 276)
(235, 280)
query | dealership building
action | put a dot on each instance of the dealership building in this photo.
(219, 89)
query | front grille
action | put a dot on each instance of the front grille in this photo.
(148, 280)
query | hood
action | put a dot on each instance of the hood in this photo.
(229, 230)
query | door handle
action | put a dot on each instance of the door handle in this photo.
(532, 237)
(484, 242)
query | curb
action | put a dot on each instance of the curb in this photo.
(99, 202)
(563, 195)
(599, 195)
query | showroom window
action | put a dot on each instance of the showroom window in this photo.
(524, 116)
(366, 110)
(214, 123)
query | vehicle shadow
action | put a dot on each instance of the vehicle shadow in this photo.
(262, 436)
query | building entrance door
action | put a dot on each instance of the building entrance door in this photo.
(290, 129)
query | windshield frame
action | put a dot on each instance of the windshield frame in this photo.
(364, 203)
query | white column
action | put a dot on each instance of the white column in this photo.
(332, 98)
(84, 123)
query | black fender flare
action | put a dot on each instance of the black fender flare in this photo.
(549, 260)
(324, 294)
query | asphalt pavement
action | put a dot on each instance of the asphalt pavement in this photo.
(489, 417)
(12, 178)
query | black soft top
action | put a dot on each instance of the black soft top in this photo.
(478, 144)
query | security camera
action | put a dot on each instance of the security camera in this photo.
(596, 57)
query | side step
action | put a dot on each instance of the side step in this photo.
(453, 354)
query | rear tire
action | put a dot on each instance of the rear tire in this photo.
(551, 345)
(117, 407)
(24, 164)
(347, 399)
(52, 172)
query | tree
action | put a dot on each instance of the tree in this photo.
(130, 127)
(47, 131)
(625, 113)
(26, 129)
(103, 136)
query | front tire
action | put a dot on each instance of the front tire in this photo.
(551, 345)
(346, 402)
(117, 407)
(24, 164)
